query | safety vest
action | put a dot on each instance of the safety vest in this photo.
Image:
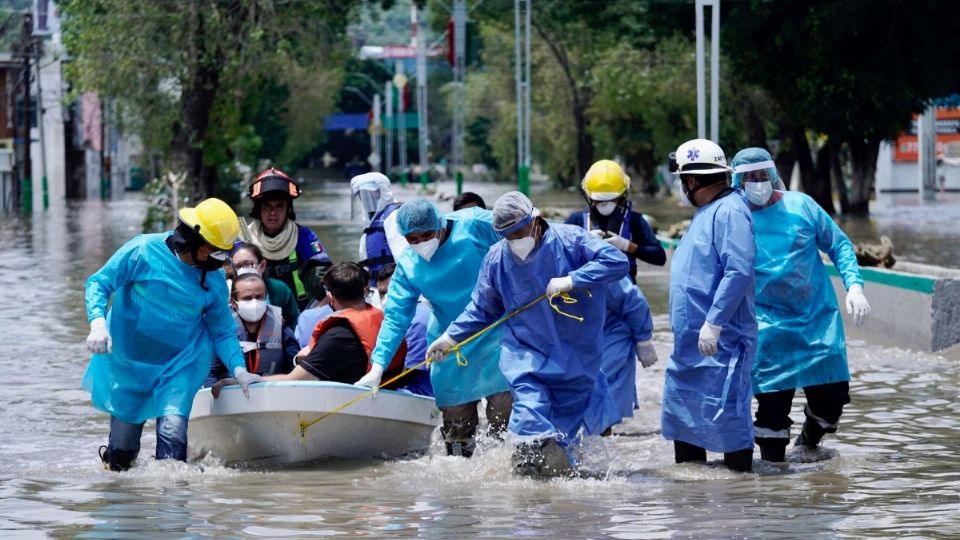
(624, 218)
(265, 355)
(289, 273)
(365, 323)
(376, 246)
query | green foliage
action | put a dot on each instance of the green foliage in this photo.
(206, 72)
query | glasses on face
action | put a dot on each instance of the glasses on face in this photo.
(250, 264)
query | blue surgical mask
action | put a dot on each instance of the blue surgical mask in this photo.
(758, 193)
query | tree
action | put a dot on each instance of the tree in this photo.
(181, 68)
(854, 70)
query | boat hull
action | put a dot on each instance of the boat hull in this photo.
(265, 429)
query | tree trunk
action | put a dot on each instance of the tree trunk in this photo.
(813, 184)
(584, 139)
(863, 161)
(196, 102)
(750, 119)
(786, 158)
(836, 174)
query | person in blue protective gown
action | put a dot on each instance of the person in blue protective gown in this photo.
(707, 393)
(627, 339)
(169, 316)
(441, 265)
(417, 381)
(551, 359)
(801, 340)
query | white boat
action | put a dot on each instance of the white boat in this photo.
(278, 424)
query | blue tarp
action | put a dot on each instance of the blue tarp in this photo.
(343, 122)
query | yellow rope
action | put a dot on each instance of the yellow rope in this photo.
(461, 359)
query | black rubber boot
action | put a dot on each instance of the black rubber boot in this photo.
(117, 460)
(740, 461)
(541, 460)
(810, 435)
(684, 452)
(772, 450)
(461, 448)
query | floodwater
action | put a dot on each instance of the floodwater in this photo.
(893, 470)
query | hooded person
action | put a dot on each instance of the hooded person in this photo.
(285, 244)
(152, 347)
(707, 393)
(551, 359)
(610, 216)
(381, 236)
(801, 339)
(442, 264)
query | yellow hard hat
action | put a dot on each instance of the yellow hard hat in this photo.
(605, 181)
(215, 221)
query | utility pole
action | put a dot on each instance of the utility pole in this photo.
(522, 77)
(388, 132)
(926, 153)
(400, 81)
(26, 183)
(375, 158)
(43, 141)
(422, 131)
(714, 70)
(459, 81)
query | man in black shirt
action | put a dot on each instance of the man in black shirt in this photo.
(341, 344)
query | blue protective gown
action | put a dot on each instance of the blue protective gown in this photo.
(706, 400)
(801, 333)
(628, 322)
(165, 329)
(552, 361)
(446, 281)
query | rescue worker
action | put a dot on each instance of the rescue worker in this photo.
(378, 205)
(268, 345)
(152, 348)
(707, 394)
(610, 216)
(441, 265)
(417, 381)
(551, 360)
(285, 244)
(801, 343)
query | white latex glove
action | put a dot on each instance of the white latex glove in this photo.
(372, 378)
(856, 304)
(646, 353)
(559, 285)
(618, 242)
(99, 340)
(439, 349)
(245, 379)
(709, 335)
(597, 233)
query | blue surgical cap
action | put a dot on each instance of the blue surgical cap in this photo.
(754, 159)
(419, 215)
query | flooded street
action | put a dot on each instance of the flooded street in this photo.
(893, 470)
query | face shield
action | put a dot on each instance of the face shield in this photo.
(366, 201)
(761, 171)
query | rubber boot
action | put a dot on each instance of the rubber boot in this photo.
(684, 452)
(545, 459)
(117, 460)
(461, 448)
(810, 435)
(772, 450)
(740, 461)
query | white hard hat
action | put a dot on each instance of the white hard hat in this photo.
(700, 156)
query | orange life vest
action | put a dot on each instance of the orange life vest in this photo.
(365, 323)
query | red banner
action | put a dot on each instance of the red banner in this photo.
(948, 131)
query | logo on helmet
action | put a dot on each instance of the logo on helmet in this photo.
(693, 154)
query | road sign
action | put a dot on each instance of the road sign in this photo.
(373, 159)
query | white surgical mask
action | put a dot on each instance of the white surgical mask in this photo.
(427, 248)
(247, 270)
(758, 192)
(522, 247)
(251, 310)
(606, 208)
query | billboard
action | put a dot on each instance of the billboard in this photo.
(948, 137)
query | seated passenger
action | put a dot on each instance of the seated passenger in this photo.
(248, 259)
(341, 344)
(268, 346)
(319, 308)
(418, 381)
